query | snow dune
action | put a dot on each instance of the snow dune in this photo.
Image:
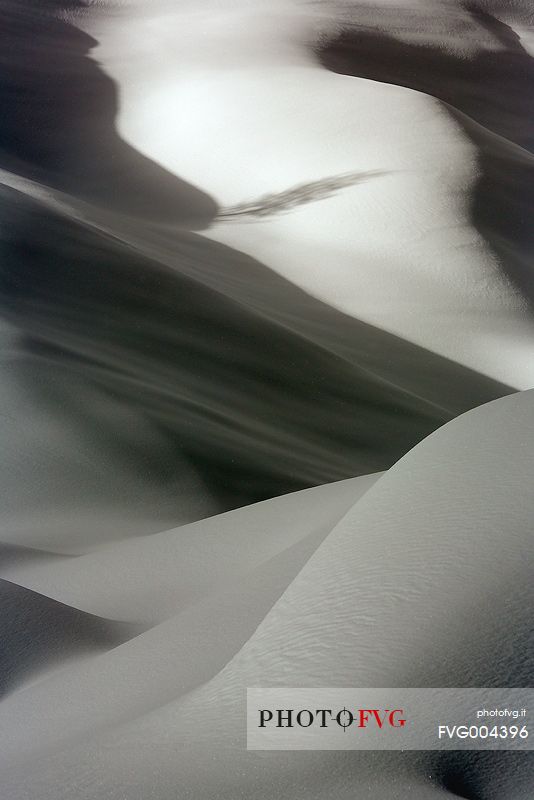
(405, 589)
(265, 296)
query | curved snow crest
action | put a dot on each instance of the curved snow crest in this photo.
(150, 578)
(405, 590)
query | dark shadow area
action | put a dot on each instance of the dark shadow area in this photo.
(485, 775)
(488, 93)
(37, 633)
(58, 123)
(259, 407)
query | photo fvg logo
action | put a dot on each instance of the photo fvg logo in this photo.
(345, 718)
(376, 718)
